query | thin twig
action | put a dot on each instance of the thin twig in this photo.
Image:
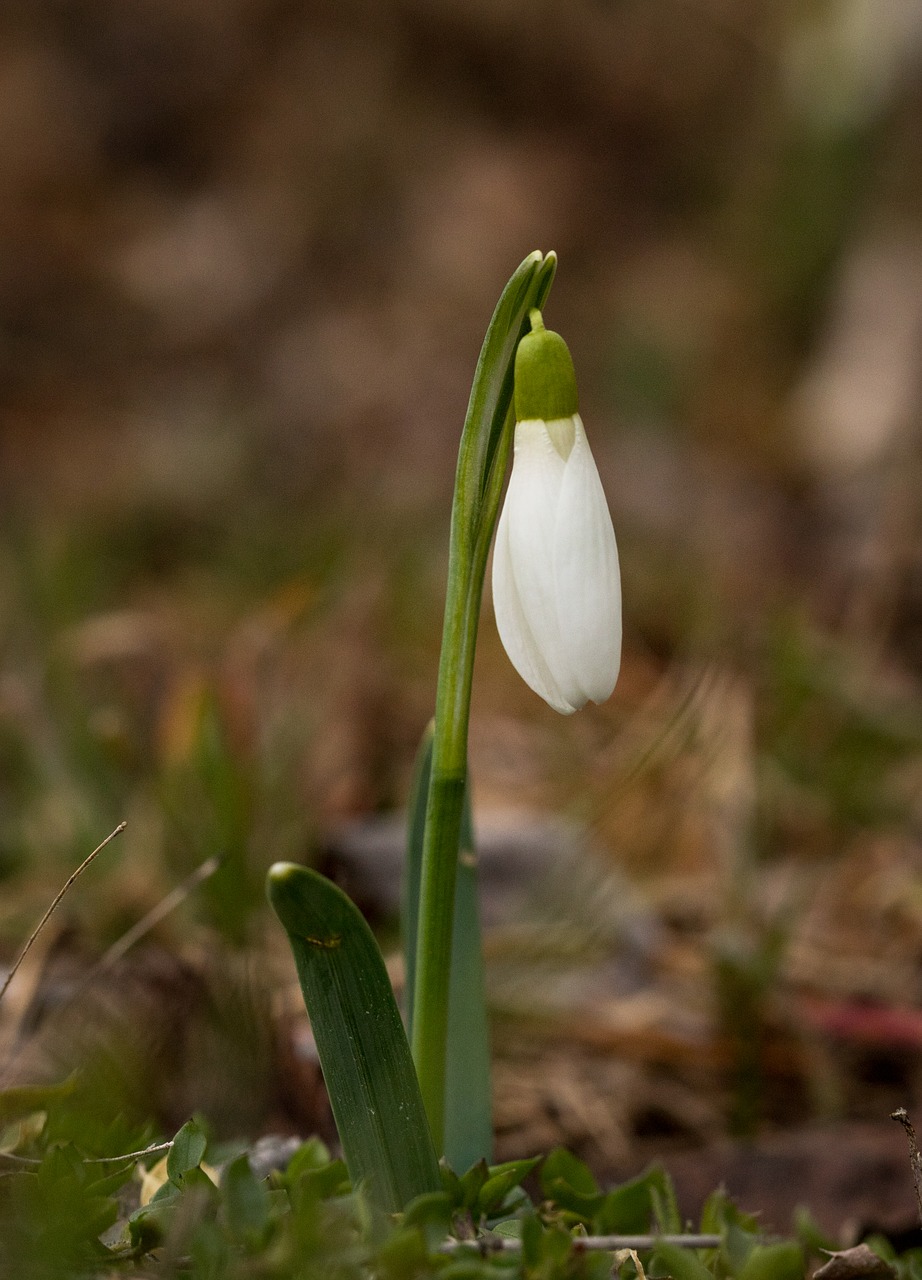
(46, 917)
(156, 914)
(128, 939)
(608, 1244)
(152, 1150)
(915, 1159)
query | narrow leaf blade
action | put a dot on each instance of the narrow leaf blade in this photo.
(361, 1042)
(413, 866)
(468, 1101)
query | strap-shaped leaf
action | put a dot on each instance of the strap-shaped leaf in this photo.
(360, 1038)
(468, 1103)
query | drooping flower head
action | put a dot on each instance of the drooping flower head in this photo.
(556, 582)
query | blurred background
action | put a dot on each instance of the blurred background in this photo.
(248, 251)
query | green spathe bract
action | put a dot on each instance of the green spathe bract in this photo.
(360, 1038)
(545, 380)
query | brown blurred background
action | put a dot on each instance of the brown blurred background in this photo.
(248, 251)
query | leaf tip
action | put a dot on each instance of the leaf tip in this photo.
(279, 872)
(284, 889)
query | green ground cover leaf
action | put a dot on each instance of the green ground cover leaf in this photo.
(23, 1100)
(783, 1261)
(186, 1152)
(570, 1185)
(678, 1264)
(246, 1202)
(502, 1179)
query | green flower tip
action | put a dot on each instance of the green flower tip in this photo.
(545, 380)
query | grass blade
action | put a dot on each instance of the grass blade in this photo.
(360, 1039)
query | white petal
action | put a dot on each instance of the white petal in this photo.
(513, 628)
(587, 582)
(523, 574)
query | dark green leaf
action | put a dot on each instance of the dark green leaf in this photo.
(148, 1224)
(556, 1246)
(21, 1101)
(738, 1229)
(719, 1212)
(472, 1184)
(503, 1178)
(516, 1201)
(468, 1095)
(402, 1254)
(679, 1264)
(531, 1235)
(632, 1207)
(810, 1234)
(413, 867)
(166, 1193)
(211, 1252)
(783, 1261)
(431, 1214)
(451, 1185)
(61, 1166)
(319, 1184)
(561, 1166)
(666, 1216)
(198, 1181)
(310, 1155)
(98, 1214)
(146, 1229)
(104, 1186)
(360, 1039)
(468, 1269)
(186, 1152)
(246, 1200)
(570, 1185)
(509, 1229)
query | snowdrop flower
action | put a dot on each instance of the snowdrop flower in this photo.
(556, 583)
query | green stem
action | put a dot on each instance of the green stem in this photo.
(440, 846)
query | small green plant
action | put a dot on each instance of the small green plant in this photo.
(557, 597)
(209, 1211)
(417, 1194)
